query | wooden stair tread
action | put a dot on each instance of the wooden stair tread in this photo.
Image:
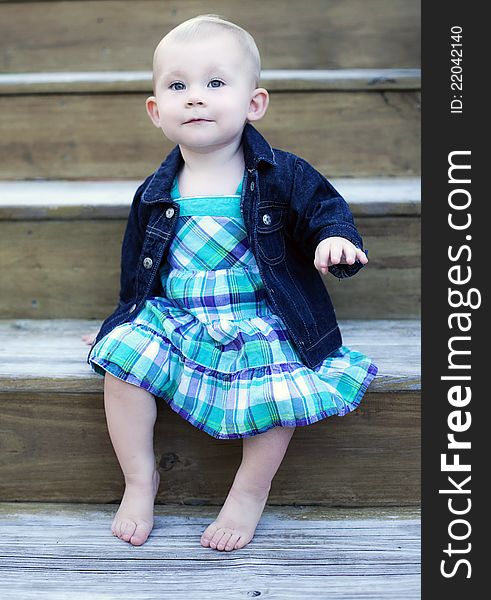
(49, 354)
(111, 199)
(369, 553)
(277, 80)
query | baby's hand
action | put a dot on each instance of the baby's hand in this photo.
(89, 338)
(335, 250)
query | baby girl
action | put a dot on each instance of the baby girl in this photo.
(223, 313)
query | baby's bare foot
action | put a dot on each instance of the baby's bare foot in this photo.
(237, 520)
(134, 520)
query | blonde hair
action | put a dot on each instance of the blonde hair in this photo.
(204, 25)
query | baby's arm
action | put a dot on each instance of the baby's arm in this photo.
(322, 223)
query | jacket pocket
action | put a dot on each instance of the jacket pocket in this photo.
(270, 234)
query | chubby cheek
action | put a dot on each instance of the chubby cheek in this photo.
(233, 111)
(171, 132)
(170, 125)
(170, 117)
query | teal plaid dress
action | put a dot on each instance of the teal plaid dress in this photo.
(211, 345)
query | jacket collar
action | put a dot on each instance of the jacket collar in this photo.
(256, 149)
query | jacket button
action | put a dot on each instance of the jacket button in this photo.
(267, 219)
(147, 263)
(133, 308)
(252, 186)
(169, 213)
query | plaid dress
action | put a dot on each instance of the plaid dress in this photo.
(211, 345)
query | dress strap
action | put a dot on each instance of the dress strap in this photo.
(210, 206)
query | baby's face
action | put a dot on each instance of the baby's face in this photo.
(209, 80)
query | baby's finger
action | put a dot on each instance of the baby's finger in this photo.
(320, 261)
(335, 254)
(349, 255)
(361, 256)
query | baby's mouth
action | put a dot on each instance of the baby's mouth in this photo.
(197, 121)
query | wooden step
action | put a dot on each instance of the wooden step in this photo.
(357, 124)
(60, 245)
(54, 432)
(296, 553)
(115, 35)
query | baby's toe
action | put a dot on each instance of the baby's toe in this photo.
(224, 540)
(232, 541)
(127, 529)
(140, 535)
(243, 541)
(217, 537)
(208, 534)
(120, 527)
(117, 528)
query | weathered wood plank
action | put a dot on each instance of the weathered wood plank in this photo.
(368, 458)
(75, 136)
(373, 453)
(55, 352)
(277, 80)
(57, 269)
(119, 35)
(232, 586)
(111, 199)
(47, 513)
(346, 555)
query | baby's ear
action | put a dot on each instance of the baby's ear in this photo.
(153, 110)
(258, 105)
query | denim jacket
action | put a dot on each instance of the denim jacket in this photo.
(288, 207)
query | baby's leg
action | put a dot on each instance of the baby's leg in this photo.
(130, 413)
(237, 520)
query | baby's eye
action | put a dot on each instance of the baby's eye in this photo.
(214, 81)
(176, 83)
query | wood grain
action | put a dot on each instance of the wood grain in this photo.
(61, 551)
(77, 136)
(60, 444)
(121, 35)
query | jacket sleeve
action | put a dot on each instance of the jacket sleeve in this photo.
(131, 247)
(318, 211)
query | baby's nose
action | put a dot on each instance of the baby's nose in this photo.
(193, 101)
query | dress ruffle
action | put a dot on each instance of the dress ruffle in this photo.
(240, 401)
